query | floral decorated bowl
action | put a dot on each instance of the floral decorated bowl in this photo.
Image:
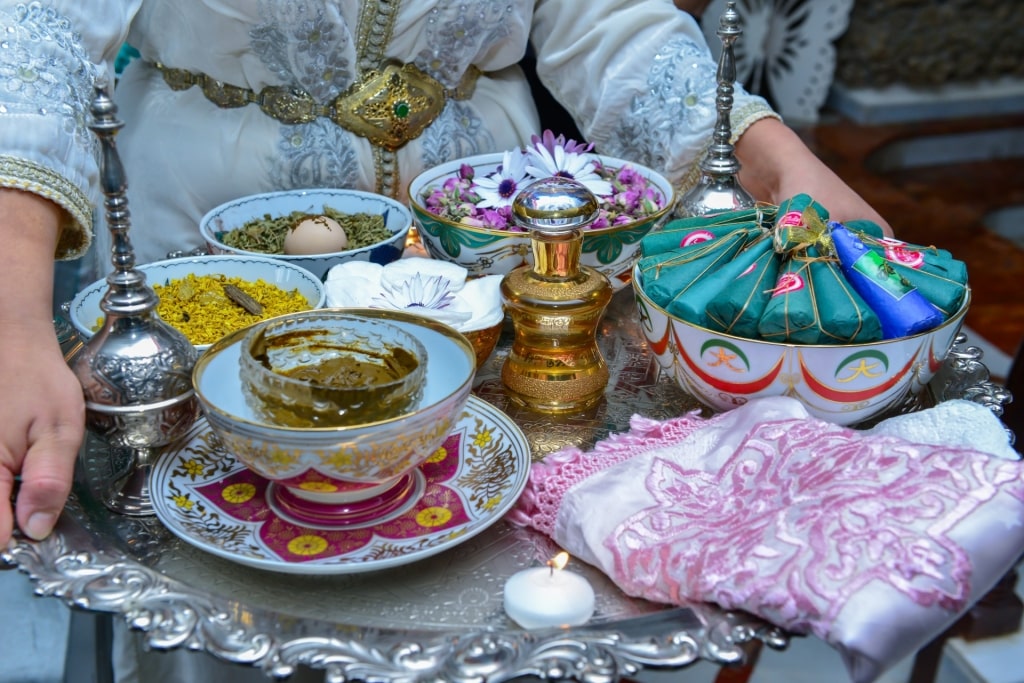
(388, 244)
(846, 384)
(345, 475)
(487, 250)
(217, 315)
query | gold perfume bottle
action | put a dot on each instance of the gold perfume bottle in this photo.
(556, 305)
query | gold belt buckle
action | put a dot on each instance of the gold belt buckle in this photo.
(391, 106)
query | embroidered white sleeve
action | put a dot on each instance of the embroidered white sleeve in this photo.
(52, 54)
(654, 101)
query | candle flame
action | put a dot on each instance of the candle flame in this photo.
(559, 561)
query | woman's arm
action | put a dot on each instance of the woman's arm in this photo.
(776, 165)
(44, 414)
(641, 82)
(59, 51)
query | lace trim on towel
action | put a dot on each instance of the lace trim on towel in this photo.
(552, 478)
(76, 230)
(803, 515)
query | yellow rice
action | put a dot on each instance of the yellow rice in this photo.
(198, 307)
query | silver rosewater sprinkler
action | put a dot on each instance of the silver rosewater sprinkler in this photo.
(136, 371)
(719, 188)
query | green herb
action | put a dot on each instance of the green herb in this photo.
(266, 235)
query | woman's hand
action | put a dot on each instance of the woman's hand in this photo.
(776, 165)
(43, 414)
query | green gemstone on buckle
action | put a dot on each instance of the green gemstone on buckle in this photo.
(401, 109)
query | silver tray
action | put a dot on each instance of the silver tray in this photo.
(440, 618)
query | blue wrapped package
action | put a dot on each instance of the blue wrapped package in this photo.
(901, 309)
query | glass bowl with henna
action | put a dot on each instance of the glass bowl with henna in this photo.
(337, 408)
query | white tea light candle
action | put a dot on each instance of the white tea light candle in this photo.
(549, 596)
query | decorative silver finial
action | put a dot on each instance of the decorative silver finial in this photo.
(719, 188)
(136, 371)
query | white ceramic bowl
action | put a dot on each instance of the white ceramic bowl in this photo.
(845, 384)
(238, 212)
(85, 307)
(335, 466)
(486, 251)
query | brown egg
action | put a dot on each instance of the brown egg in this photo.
(315, 235)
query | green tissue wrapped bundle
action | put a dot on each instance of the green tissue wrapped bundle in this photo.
(679, 277)
(683, 232)
(812, 303)
(772, 273)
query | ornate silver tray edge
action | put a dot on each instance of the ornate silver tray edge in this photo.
(174, 615)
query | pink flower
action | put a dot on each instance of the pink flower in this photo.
(624, 194)
(551, 143)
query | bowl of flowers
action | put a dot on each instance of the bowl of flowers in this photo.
(463, 211)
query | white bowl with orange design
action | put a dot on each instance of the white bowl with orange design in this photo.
(846, 384)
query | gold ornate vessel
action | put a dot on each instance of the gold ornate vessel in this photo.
(556, 304)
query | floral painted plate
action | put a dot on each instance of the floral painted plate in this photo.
(212, 501)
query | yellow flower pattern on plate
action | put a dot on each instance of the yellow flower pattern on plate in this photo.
(209, 499)
(433, 516)
(307, 544)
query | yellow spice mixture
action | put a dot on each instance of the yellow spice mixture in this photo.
(199, 308)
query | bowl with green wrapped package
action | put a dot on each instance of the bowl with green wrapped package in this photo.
(314, 229)
(734, 316)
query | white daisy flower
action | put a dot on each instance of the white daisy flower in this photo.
(500, 188)
(579, 167)
(428, 287)
(418, 291)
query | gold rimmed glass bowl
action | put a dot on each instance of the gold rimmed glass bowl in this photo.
(350, 474)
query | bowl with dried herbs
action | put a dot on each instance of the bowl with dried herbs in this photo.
(311, 228)
(206, 297)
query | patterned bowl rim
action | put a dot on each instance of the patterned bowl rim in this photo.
(209, 234)
(99, 287)
(431, 175)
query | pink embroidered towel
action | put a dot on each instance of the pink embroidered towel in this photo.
(867, 540)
